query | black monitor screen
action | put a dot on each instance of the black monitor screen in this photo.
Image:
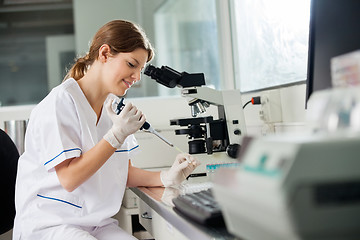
(334, 30)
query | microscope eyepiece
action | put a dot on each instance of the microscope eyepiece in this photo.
(164, 75)
(171, 78)
(151, 71)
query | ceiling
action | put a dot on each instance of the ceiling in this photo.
(34, 13)
(24, 25)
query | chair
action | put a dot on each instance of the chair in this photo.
(9, 156)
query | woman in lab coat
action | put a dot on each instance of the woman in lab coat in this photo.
(72, 176)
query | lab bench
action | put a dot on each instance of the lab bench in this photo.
(157, 216)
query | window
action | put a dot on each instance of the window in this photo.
(25, 27)
(271, 42)
(186, 39)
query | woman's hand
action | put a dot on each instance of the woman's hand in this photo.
(182, 167)
(127, 122)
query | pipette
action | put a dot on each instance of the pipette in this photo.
(146, 126)
(150, 129)
(118, 106)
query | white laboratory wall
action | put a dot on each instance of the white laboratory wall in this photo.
(292, 107)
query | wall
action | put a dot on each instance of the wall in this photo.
(292, 105)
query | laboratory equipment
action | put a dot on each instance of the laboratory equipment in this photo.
(208, 135)
(171, 78)
(119, 105)
(16, 130)
(293, 187)
(334, 110)
(345, 69)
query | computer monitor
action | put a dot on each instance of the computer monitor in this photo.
(334, 30)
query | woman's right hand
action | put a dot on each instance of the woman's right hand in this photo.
(127, 122)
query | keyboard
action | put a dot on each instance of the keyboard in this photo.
(200, 207)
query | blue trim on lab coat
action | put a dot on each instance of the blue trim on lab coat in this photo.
(62, 153)
(56, 199)
(127, 150)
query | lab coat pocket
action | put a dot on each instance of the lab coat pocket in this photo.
(64, 205)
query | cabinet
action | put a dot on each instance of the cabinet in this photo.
(156, 225)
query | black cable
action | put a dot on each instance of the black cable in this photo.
(246, 104)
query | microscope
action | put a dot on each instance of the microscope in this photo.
(206, 134)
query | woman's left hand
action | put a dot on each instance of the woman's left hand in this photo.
(182, 167)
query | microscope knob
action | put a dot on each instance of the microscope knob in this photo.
(237, 132)
(232, 150)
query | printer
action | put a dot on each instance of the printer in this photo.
(294, 187)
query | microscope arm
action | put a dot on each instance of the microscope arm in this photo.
(207, 94)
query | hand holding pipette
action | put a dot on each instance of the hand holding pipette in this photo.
(125, 124)
(119, 105)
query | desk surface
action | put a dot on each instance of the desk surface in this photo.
(159, 199)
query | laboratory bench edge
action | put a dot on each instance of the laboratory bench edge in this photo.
(162, 222)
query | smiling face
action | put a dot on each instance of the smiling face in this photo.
(122, 70)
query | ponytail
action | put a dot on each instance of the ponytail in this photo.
(79, 68)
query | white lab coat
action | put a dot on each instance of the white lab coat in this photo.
(63, 126)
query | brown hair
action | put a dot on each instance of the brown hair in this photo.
(121, 36)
